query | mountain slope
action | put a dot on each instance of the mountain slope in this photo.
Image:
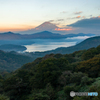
(86, 44)
(46, 26)
(10, 61)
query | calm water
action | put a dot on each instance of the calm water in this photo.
(49, 44)
(33, 45)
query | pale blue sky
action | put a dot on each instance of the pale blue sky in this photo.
(27, 14)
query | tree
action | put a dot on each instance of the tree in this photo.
(3, 97)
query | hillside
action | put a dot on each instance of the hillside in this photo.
(12, 47)
(54, 76)
(10, 61)
(86, 44)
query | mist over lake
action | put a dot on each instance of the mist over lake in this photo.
(50, 44)
(33, 45)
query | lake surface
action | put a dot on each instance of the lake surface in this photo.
(50, 44)
(33, 45)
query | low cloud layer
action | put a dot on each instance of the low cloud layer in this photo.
(93, 23)
(63, 29)
(79, 37)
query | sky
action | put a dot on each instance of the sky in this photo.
(68, 15)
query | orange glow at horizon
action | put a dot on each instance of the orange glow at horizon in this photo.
(11, 29)
(15, 28)
(59, 29)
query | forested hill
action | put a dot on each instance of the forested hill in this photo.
(53, 76)
(12, 47)
(10, 61)
(86, 44)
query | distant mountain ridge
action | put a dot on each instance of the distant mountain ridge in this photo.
(9, 35)
(46, 26)
(39, 35)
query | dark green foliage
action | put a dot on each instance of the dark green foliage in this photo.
(3, 97)
(98, 49)
(86, 80)
(91, 67)
(11, 61)
(47, 72)
(95, 87)
(52, 77)
(89, 54)
(58, 55)
(17, 85)
(68, 78)
(70, 58)
(67, 91)
(1, 84)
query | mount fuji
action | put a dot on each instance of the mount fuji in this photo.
(46, 26)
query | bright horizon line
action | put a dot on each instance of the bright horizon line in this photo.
(15, 28)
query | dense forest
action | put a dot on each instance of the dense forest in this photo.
(10, 61)
(53, 76)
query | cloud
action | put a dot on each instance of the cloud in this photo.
(60, 20)
(82, 17)
(51, 21)
(98, 16)
(92, 23)
(78, 12)
(57, 21)
(63, 12)
(79, 37)
(78, 17)
(63, 29)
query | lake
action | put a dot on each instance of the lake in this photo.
(33, 45)
(50, 44)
